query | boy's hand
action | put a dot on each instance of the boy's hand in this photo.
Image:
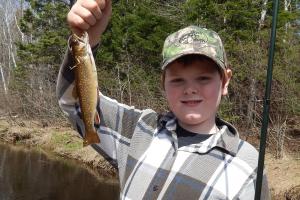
(91, 16)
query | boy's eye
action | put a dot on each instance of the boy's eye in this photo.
(176, 80)
(203, 78)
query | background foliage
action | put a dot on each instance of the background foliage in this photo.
(129, 58)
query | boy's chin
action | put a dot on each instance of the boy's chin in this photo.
(191, 118)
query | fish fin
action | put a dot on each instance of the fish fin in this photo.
(97, 119)
(72, 67)
(97, 114)
(77, 61)
(91, 138)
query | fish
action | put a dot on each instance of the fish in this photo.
(86, 85)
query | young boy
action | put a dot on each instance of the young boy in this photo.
(187, 153)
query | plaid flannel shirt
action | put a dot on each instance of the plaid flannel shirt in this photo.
(144, 147)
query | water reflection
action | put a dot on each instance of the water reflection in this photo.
(30, 175)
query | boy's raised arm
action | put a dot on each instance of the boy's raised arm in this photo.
(90, 16)
(118, 120)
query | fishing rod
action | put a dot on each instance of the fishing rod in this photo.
(266, 108)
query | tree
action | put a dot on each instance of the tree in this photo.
(9, 12)
(244, 27)
(131, 49)
(40, 54)
(129, 56)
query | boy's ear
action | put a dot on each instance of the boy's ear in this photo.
(226, 80)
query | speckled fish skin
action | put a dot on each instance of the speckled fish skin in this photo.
(86, 85)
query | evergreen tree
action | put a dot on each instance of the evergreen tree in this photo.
(44, 24)
(129, 57)
(246, 43)
(131, 50)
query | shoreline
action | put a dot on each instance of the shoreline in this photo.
(58, 140)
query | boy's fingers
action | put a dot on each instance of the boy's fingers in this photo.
(93, 7)
(91, 16)
(101, 4)
(108, 5)
(107, 10)
(86, 15)
(76, 22)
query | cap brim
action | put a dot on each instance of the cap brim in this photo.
(165, 64)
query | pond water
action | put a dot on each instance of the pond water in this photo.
(32, 175)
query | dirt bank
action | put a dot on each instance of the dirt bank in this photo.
(62, 140)
(283, 176)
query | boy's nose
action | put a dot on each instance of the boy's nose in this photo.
(190, 90)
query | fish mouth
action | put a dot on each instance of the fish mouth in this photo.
(83, 38)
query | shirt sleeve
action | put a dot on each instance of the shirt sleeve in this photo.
(117, 121)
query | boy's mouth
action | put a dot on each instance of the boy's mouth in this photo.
(191, 102)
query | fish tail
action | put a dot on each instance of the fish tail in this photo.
(91, 137)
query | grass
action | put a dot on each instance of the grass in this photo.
(66, 141)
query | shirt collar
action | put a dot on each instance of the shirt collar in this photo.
(227, 138)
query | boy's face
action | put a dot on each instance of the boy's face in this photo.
(194, 91)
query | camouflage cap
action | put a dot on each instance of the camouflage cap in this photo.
(194, 40)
